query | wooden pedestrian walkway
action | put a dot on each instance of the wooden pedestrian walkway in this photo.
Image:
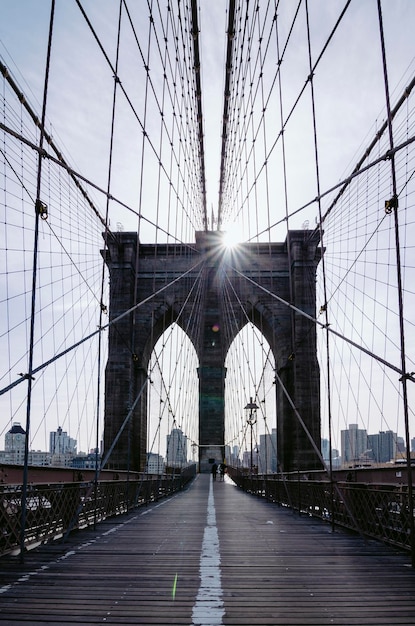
(211, 555)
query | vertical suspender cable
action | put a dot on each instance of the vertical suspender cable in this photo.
(39, 212)
(225, 117)
(284, 165)
(102, 306)
(324, 308)
(196, 67)
(394, 205)
(137, 258)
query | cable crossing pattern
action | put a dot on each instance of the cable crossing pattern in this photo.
(252, 122)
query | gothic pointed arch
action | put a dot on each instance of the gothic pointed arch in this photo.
(269, 284)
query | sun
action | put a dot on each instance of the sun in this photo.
(231, 238)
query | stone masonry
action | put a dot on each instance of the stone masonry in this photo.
(138, 271)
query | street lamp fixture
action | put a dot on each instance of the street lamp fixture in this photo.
(251, 409)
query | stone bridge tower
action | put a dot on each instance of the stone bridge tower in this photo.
(160, 277)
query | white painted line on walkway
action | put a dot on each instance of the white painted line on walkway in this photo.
(208, 609)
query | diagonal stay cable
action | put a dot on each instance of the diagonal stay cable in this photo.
(293, 108)
(319, 454)
(76, 174)
(24, 187)
(245, 314)
(267, 358)
(320, 324)
(197, 283)
(345, 182)
(99, 330)
(93, 483)
(150, 83)
(60, 160)
(128, 99)
(38, 207)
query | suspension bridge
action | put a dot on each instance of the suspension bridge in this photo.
(206, 230)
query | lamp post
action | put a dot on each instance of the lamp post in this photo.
(251, 409)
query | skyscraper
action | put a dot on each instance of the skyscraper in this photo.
(383, 446)
(176, 455)
(354, 443)
(268, 452)
(60, 443)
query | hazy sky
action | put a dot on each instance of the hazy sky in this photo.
(349, 85)
(349, 91)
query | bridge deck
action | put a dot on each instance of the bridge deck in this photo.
(163, 565)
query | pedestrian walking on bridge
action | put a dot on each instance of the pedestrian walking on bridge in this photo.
(214, 470)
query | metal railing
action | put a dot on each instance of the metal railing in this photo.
(374, 510)
(54, 510)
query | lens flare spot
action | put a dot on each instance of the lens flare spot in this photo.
(173, 592)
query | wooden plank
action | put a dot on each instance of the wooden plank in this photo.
(276, 568)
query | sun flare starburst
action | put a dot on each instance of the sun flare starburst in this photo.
(231, 238)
